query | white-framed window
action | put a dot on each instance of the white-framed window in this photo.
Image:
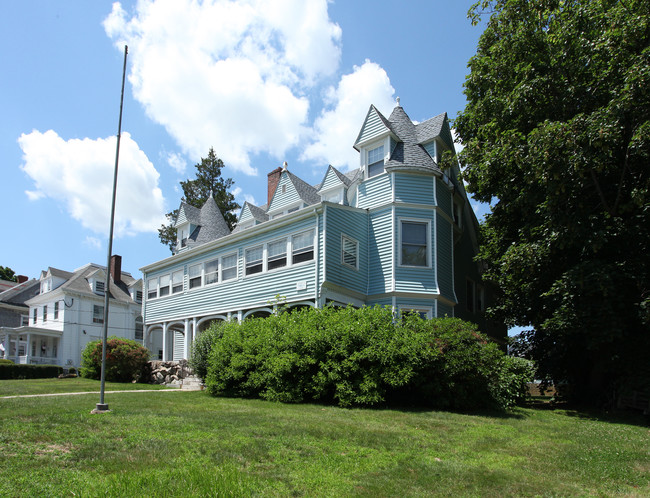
(99, 286)
(177, 281)
(45, 313)
(276, 254)
(138, 296)
(24, 320)
(195, 276)
(376, 161)
(424, 312)
(302, 247)
(349, 252)
(334, 196)
(152, 288)
(163, 289)
(415, 237)
(56, 310)
(211, 269)
(98, 314)
(46, 286)
(139, 329)
(34, 315)
(229, 267)
(286, 211)
(254, 259)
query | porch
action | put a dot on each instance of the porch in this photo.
(30, 345)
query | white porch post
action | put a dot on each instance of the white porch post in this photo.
(194, 334)
(28, 349)
(188, 338)
(164, 341)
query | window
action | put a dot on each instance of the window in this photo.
(254, 260)
(335, 196)
(302, 247)
(195, 276)
(414, 243)
(45, 313)
(177, 282)
(480, 298)
(164, 285)
(139, 329)
(469, 295)
(99, 286)
(277, 254)
(56, 310)
(229, 267)
(138, 296)
(212, 271)
(376, 161)
(24, 320)
(46, 286)
(35, 315)
(424, 313)
(349, 252)
(152, 288)
(98, 314)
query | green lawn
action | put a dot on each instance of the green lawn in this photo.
(72, 385)
(189, 444)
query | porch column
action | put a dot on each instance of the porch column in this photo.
(164, 341)
(7, 344)
(188, 338)
(28, 350)
(194, 334)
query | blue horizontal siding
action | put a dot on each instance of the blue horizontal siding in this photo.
(281, 200)
(410, 279)
(354, 224)
(414, 189)
(372, 127)
(443, 193)
(445, 261)
(375, 191)
(380, 252)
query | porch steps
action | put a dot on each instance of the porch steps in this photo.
(192, 383)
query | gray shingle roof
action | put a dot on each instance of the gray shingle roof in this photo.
(258, 214)
(306, 192)
(193, 214)
(344, 179)
(211, 224)
(20, 293)
(408, 152)
(431, 128)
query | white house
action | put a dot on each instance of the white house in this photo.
(68, 312)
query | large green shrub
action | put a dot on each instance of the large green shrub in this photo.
(201, 347)
(12, 371)
(362, 357)
(126, 360)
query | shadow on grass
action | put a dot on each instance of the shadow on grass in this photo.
(582, 412)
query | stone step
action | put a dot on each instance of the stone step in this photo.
(192, 383)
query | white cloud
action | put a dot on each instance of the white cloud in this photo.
(79, 175)
(93, 242)
(177, 162)
(231, 75)
(346, 107)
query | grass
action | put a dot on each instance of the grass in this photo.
(189, 444)
(71, 385)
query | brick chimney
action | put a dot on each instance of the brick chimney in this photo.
(274, 179)
(116, 268)
(22, 278)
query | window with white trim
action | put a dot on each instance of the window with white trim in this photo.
(211, 271)
(45, 313)
(35, 316)
(254, 260)
(98, 314)
(163, 290)
(229, 267)
(99, 286)
(302, 247)
(376, 161)
(276, 254)
(334, 196)
(349, 252)
(414, 243)
(195, 276)
(177, 282)
(152, 288)
(56, 310)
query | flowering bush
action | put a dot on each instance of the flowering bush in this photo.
(126, 360)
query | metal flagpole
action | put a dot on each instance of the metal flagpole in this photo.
(101, 406)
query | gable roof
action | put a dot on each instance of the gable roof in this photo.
(307, 193)
(374, 125)
(188, 213)
(256, 213)
(345, 180)
(208, 221)
(408, 153)
(18, 294)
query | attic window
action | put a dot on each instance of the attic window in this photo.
(376, 161)
(99, 286)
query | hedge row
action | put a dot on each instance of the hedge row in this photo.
(362, 357)
(8, 371)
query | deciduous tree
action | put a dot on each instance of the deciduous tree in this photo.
(557, 135)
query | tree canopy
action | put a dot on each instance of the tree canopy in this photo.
(8, 274)
(556, 134)
(208, 182)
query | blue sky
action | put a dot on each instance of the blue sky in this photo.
(260, 81)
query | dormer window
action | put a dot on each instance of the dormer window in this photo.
(334, 196)
(375, 161)
(99, 286)
(46, 286)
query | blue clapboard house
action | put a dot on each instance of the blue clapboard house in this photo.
(398, 231)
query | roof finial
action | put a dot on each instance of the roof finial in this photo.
(285, 166)
(398, 102)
